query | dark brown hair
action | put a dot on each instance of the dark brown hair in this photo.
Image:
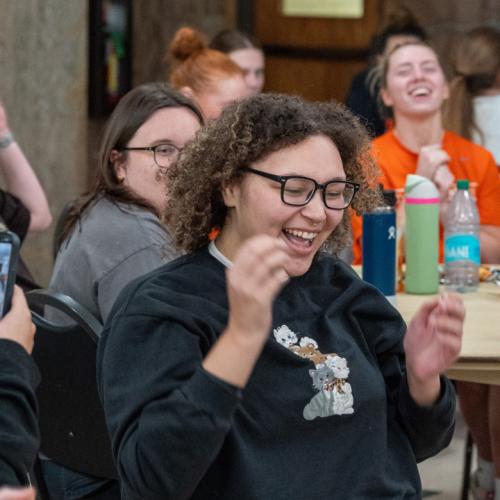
(132, 111)
(246, 132)
(230, 40)
(400, 22)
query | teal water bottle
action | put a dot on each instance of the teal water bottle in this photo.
(421, 235)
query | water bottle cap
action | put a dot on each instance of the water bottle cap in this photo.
(420, 187)
(463, 184)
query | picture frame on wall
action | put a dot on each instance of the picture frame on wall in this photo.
(110, 54)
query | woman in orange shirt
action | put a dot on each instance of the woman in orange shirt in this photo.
(414, 86)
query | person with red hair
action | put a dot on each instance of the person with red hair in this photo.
(209, 77)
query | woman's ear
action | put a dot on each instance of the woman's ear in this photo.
(230, 194)
(386, 97)
(187, 91)
(116, 159)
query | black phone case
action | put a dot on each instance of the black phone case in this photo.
(13, 240)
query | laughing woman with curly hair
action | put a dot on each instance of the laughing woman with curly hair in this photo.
(259, 365)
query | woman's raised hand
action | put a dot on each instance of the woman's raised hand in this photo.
(257, 275)
(432, 343)
(255, 279)
(16, 324)
(433, 163)
(17, 493)
(4, 125)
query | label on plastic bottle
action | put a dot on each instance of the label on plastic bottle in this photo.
(462, 247)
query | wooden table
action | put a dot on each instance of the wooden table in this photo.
(480, 356)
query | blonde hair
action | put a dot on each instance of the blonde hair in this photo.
(476, 64)
(377, 77)
(196, 66)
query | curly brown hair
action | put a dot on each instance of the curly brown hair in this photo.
(248, 131)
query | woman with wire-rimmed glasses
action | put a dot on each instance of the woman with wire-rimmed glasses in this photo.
(114, 233)
(259, 366)
(116, 228)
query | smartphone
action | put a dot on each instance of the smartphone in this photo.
(9, 254)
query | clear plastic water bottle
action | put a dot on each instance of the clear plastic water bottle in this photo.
(461, 241)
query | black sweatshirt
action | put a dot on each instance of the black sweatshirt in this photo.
(19, 437)
(326, 414)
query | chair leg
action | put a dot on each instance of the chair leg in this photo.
(469, 444)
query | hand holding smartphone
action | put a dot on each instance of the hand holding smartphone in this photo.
(9, 254)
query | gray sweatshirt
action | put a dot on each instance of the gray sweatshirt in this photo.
(111, 245)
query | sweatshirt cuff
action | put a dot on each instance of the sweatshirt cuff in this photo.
(15, 359)
(445, 404)
(212, 394)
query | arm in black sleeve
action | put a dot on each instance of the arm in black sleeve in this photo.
(167, 417)
(17, 218)
(14, 214)
(429, 429)
(19, 435)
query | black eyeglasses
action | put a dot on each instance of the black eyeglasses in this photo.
(299, 191)
(164, 154)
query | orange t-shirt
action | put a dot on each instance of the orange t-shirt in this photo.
(467, 161)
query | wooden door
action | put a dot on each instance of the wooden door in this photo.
(315, 57)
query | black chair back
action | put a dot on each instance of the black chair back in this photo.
(72, 426)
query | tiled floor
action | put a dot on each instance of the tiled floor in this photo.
(442, 474)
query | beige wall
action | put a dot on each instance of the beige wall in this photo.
(43, 83)
(43, 56)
